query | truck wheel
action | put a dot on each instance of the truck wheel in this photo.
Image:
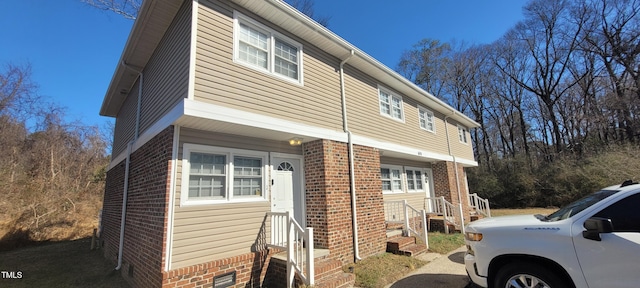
(527, 275)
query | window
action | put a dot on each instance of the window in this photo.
(390, 105)
(415, 180)
(391, 177)
(623, 214)
(261, 48)
(220, 175)
(426, 119)
(462, 134)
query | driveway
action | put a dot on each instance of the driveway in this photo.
(442, 271)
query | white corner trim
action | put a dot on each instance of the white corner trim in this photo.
(192, 56)
(235, 116)
(172, 196)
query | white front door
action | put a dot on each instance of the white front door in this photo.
(428, 187)
(287, 193)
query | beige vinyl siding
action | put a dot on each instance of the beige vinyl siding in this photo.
(166, 76)
(221, 81)
(365, 118)
(415, 200)
(125, 125)
(403, 162)
(459, 149)
(208, 232)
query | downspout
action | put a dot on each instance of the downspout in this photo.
(125, 192)
(352, 179)
(124, 205)
(455, 168)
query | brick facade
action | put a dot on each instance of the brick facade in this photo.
(328, 199)
(146, 214)
(444, 184)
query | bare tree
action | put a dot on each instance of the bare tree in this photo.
(425, 65)
(129, 8)
(126, 8)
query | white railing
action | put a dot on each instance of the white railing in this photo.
(444, 208)
(479, 205)
(413, 221)
(288, 235)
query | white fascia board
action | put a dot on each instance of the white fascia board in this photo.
(164, 122)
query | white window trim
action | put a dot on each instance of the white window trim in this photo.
(393, 95)
(423, 171)
(239, 17)
(463, 138)
(187, 148)
(433, 118)
(402, 179)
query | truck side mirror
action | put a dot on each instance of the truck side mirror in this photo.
(595, 226)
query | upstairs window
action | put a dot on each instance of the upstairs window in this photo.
(390, 105)
(261, 48)
(462, 134)
(426, 119)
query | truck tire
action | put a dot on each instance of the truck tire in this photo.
(527, 275)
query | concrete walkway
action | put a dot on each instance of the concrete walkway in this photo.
(442, 271)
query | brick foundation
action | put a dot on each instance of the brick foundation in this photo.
(250, 270)
(328, 199)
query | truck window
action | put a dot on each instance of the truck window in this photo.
(623, 214)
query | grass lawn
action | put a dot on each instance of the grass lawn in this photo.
(62, 264)
(73, 264)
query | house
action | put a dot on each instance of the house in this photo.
(232, 113)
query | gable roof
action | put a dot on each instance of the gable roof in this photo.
(156, 15)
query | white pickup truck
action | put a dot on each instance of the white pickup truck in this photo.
(593, 242)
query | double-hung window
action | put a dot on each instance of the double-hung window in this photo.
(261, 48)
(415, 179)
(426, 119)
(390, 104)
(391, 177)
(220, 175)
(462, 134)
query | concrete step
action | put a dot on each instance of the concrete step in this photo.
(393, 232)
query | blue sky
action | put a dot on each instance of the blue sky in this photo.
(73, 49)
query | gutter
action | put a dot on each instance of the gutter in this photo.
(455, 169)
(352, 179)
